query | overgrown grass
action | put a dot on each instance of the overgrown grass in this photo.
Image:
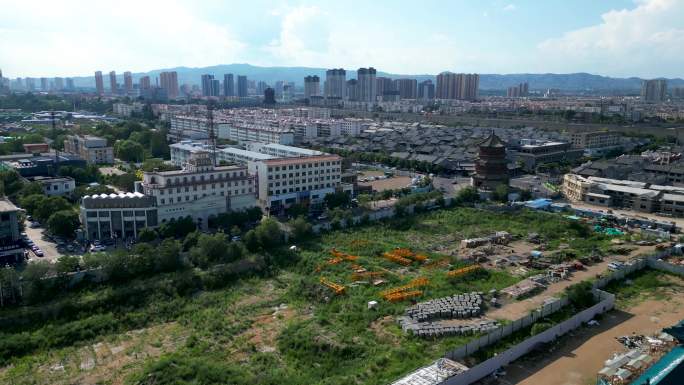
(642, 285)
(330, 339)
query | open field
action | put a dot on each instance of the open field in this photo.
(282, 329)
(645, 304)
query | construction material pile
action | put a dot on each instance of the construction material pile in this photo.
(437, 317)
(444, 329)
(457, 306)
(500, 237)
(405, 292)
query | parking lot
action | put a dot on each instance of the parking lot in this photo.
(49, 248)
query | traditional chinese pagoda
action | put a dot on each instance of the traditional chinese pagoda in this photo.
(491, 168)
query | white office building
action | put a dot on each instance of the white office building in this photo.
(200, 189)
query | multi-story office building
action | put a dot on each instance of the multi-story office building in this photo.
(99, 84)
(335, 83)
(285, 175)
(367, 84)
(91, 148)
(59, 84)
(44, 84)
(208, 85)
(200, 190)
(286, 181)
(384, 86)
(187, 127)
(352, 90)
(408, 88)
(128, 82)
(242, 86)
(457, 86)
(247, 132)
(312, 86)
(426, 90)
(55, 186)
(11, 251)
(228, 85)
(70, 84)
(113, 86)
(261, 87)
(125, 109)
(169, 81)
(269, 96)
(117, 216)
(216, 87)
(595, 139)
(521, 90)
(654, 90)
(144, 83)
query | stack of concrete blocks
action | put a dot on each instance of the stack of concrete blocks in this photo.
(439, 329)
(456, 306)
(419, 318)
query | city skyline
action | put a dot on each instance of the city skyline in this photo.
(618, 38)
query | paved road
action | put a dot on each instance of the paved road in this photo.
(49, 248)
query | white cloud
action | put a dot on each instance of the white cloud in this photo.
(77, 37)
(509, 7)
(312, 36)
(647, 40)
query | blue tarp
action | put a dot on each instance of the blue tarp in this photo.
(538, 204)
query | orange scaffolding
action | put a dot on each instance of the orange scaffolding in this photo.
(397, 259)
(335, 287)
(418, 282)
(366, 275)
(402, 295)
(463, 271)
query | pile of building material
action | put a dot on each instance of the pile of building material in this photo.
(457, 306)
(433, 374)
(442, 329)
(523, 288)
(500, 237)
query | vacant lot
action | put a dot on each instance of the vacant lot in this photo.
(283, 329)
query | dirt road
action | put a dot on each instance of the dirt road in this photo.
(516, 310)
(582, 353)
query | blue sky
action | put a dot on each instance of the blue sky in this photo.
(609, 37)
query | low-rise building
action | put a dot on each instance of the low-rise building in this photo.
(117, 216)
(41, 165)
(125, 109)
(200, 190)
(91, 148)
(36, 148)
(55, 186)
(530, 153)
(624, 194)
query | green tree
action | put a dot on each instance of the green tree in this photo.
(147, 235)
(129, 151)
(168, 255)
(31, 189)
(67, 264)
(301, 229)
(63, 223)
(337, 199)
(500, 193)
(50, 206)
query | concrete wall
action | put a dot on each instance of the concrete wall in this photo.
(607, 302)
(487, 367)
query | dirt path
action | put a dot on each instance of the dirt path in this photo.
(515, 310)
(582, 353)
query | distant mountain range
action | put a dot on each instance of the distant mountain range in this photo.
(565, 82)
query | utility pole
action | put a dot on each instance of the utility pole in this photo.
(212, 133)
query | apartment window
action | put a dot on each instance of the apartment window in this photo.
(162, 201)
(178, 199)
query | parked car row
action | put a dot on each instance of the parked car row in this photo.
(31, 245)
